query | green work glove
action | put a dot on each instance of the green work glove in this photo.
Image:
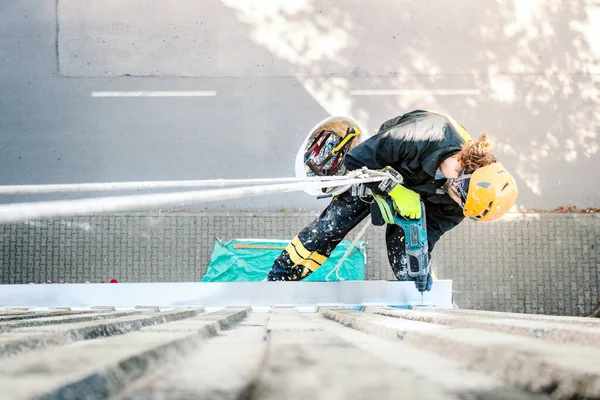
(407, 202)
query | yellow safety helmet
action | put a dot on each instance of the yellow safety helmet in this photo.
(488, 193)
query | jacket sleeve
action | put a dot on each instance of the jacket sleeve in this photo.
(441, 218)
(394, 143)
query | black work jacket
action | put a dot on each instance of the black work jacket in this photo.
(415, 144)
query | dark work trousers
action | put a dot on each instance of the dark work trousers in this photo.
(314, 244)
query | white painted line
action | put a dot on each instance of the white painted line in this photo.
(164, 93)
(416, 92)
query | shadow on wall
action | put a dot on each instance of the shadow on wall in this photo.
(525, 72)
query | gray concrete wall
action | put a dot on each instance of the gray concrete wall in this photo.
(527, 73)
(544, 263)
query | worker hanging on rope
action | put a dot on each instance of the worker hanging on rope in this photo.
(445, 174)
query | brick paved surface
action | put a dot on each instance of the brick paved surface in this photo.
(545, 263)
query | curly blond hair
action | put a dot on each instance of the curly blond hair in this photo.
(477, 154)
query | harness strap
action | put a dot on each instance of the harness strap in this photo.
(386, 212)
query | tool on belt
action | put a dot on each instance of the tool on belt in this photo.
(415, 230)
(325, 154)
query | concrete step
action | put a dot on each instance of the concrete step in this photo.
(21, 340)
(24, 323)
(223, 368)
(547, 329)
(14, 310)
(103, 367)
(456, 312)
(565, 370)
(431, 369)
(5, 317)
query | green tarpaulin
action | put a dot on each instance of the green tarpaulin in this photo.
(244, 260)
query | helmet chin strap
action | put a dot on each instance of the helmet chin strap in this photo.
(450, 181)
(448, 187)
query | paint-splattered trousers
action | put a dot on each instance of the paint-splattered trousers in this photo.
(314, 244)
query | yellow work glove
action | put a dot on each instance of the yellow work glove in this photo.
(407, 202)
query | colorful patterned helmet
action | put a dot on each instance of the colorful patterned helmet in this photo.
(492, 191)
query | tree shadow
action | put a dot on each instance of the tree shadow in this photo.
(533, 67)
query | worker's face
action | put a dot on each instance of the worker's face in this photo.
(452, 169)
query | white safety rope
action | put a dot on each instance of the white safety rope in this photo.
(63, 208)
(145, 185)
